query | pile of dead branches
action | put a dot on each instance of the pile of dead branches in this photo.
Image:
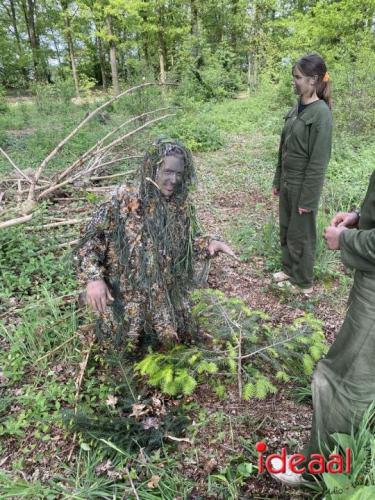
(22, 193)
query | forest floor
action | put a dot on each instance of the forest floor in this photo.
(234, 201)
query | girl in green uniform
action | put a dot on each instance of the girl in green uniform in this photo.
(305, 149)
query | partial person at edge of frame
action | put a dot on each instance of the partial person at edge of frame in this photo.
(343, 385)
(304, 153)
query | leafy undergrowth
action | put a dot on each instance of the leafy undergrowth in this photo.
(193, 432)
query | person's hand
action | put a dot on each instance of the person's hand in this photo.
(304, 211)
(332, 236)
(97, 295)
(275, 191)
(346, 219)
(216, 246)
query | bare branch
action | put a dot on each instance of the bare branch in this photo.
(74, 132)
(18, 220)
(104, 149)
(15, 166)
(91, 151)
(132, 132)
(56, 224)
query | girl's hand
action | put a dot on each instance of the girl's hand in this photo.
(346, 219)
(215, 247)
(97, 295)
(304, 211)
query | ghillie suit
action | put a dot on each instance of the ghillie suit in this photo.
(143, 245)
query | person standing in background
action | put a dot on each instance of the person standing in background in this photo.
(304, 153)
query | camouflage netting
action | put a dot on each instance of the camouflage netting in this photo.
(143, 245)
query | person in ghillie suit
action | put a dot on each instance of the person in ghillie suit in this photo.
(136, 256)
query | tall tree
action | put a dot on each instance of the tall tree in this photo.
(29, 9)
(69, 40)
(112, 55)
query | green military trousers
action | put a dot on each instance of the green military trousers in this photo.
(343, 384)
(297, 237)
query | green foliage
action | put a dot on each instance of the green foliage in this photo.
(267, 354)
(25, 271)
(256, 239)
(360, 482)
(216, 79)
(48, 95)
(165, 371)
(194, 129)
(226, 483)
(3, 104)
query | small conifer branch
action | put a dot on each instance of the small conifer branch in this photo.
(288, 339)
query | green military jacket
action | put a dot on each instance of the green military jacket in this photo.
(304, 152)
(358, 245)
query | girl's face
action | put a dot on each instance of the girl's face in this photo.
(170, 175)
(303, 86)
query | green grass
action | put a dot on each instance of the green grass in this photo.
(235, 142)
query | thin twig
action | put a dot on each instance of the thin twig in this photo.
(101, 189)
(93, 149)
(179, 440)
(271, 346)
(239, 364)
(131, 483)
(15, 166)
(79, 380)
(60, 245)
(74, 132)
(103, 177)
(56, 224)
(56, 348)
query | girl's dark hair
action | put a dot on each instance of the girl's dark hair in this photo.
(314, 65)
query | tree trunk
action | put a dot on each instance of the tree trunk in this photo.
(17, 36)
(113, 59)
(194, 28)
(40, 65)
(15, 28)
(34, 40)
(101, 57)
(162, 49)
(69, 40)
(161, 66)
(143, 39)
(234, 33)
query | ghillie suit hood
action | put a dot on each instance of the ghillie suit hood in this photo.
(150, 241)
(171, 226)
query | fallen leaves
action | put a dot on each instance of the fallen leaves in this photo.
(154, 481)
(112, 400)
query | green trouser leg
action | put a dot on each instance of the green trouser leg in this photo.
(343, 384)
(297, 238)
